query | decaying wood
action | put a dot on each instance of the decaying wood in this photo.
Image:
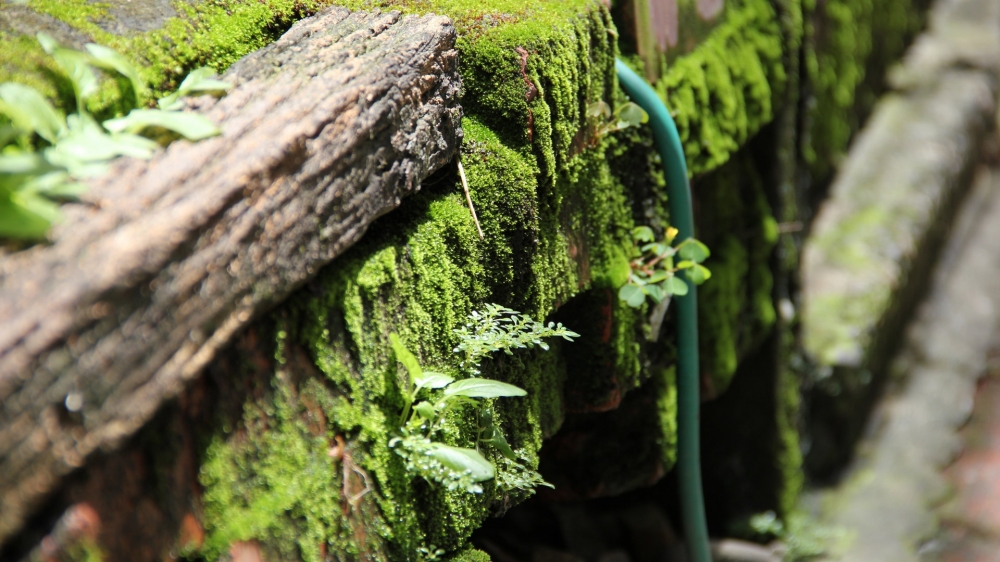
(326, 130)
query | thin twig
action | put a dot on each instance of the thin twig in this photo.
(465, 186)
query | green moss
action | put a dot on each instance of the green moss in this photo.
(725, 90)
(81, 15)
(556, 218)
(23, 60)
(556, 205)
(666, 405)
(736, 309)
(789, 454)
(851, 44)
(471, 555)
(556, 223)
(275, 480)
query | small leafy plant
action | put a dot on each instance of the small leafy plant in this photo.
(73, 147)
(654, 270)
(430, 396)
(804, 537)
(626, 115)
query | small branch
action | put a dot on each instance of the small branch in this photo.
(465, 186)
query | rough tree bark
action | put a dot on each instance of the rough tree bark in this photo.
(166, 260)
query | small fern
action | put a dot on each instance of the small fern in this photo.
(463, 468)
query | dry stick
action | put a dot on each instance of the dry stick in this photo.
(465, 186)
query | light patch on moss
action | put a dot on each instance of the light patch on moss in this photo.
(666, 407)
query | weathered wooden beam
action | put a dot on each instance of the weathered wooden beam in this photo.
(166, 260)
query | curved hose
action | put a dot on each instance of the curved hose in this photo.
(668, 143)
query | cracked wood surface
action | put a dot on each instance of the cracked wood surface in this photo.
(165, 260)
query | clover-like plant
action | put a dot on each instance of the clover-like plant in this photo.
(429, 396)
(44, 153)
(655, 267)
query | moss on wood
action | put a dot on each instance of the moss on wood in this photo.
(556, 204)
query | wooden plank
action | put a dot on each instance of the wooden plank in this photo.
(326, 130)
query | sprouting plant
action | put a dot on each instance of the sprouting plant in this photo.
(626, 115)
(76, 146)
(804, 538)
(654, 270)
(422, 420)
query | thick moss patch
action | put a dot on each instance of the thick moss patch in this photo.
(851, 44)
(726, 89)
(736, 309)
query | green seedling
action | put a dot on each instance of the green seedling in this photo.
(44, 153)
(656, 267)
(429, 397)
(626, 115)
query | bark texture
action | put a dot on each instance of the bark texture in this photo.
(326, 130)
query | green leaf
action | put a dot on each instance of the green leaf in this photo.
(76, 65)
(25, 163)
(57, 185)
(598, 109)
(658, 275)
(110, 59)
(632, 294)
(431, 379)
(655, 292)
(8, 133)
(675, 286)
(198, 80)
(408, 360)
(189, 125)
(482, 388)
(693, 250)
(91, 144)
(643, 234)
(425, 410)
(500, 442)
(630, 115)
(48, 42)
(202, 80)
(26, 215)
(18, 222)
(30, 111)
(698, 274)
(461, 459)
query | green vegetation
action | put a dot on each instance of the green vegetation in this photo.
(76, 146)
(560, 175)
(654, 273)
(846, 61)
(496, 329)
(626, 115)
(804, 538)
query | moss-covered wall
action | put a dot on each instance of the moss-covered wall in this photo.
(850, 45)
(303, 468)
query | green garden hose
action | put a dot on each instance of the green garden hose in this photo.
(671, 152)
